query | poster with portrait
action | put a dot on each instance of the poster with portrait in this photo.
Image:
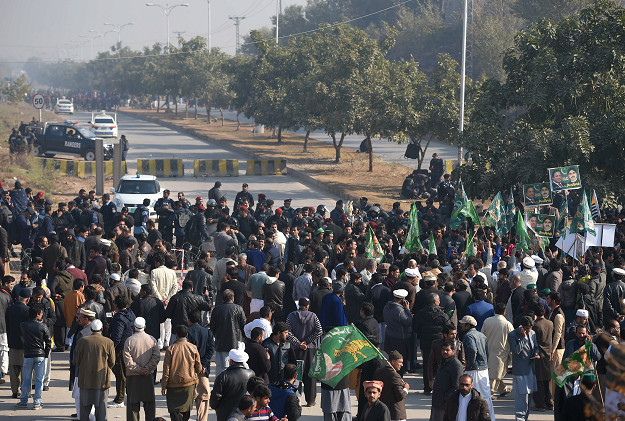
(565, 178)
(543, 225)
(538, 194)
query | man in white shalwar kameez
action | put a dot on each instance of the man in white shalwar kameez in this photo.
(496, 329)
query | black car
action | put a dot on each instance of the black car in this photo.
(68, 139)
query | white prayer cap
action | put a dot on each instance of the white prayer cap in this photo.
(96, 325)
(581, 313)
(239, 355)
(537, 259)
(412, 273)
(139, 323)
(400, 293)
(528, 262)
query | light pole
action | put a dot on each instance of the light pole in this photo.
(91, 41)
(118, 29)
(462, 74)
(101, 35)
(167, 9)
(277, 18)
(208, 42)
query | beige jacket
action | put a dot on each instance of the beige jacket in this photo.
(164, 282)
(181, 366)
(95, 356)
(141, 351)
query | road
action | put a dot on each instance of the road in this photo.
(388, 151)
(151, 140)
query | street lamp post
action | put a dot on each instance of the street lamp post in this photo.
(118, 29)
(462, 76)
(208, 42)
(91, 41)
(167, 9)
(101, 35)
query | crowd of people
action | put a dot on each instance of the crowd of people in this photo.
(100, 285)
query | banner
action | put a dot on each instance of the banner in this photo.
(578, 362)
(521, 232)
(373, 250)
(342, 349)
(565, 178)
(537, 195)
(543, 225)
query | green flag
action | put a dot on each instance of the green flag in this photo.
(432, 248)
(373, 250)
(467, 210)
(521, 232)
(461, 198)
(470, 250)
(342, 349)
(497, 214)
(583, 218)
(413, 244)
(544, 243)
(577, 363)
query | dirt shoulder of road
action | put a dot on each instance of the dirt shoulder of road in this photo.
(350, 179)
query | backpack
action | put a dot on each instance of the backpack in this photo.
(137, 216)
(183, 218)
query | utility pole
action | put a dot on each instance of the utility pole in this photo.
(179, 33)
(237, 22)
(208, 42)
(462, 77)
(278, 10)
(167, 10)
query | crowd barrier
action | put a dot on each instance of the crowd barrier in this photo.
(161, 167)
(81, 169)
(266, 167)
(213, 167)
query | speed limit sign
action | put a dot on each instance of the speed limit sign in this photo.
(38, 101)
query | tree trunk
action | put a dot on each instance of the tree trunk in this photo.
(158, 103)
(279, 134)
(337, 147)
(196, 108)
(186, 108)
(238, 121)
(222, 116)
(370, 147)
(306, 140)
(208, 112)
(176, 105)
(167, 103)
(422, 157)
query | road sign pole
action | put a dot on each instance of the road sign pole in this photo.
(99, 166)
(117, 162)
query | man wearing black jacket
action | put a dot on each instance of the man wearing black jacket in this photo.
(446, 380)
(49, 318)
(15, 315)
(151, 309)
(37, 344)
(6, 300)
(184, 303)
(203, 339)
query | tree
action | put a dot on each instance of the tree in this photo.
(562, 104)
(16, 93)
(535, 10)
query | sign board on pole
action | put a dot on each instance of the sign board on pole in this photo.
(38, 101)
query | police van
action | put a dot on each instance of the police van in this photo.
(68, 139)
(104, 125)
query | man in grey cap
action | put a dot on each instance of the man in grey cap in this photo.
(332, 310)
(476, 353)
(398, 325)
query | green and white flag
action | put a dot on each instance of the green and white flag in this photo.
(564, 213)
(432, 247)
(583, 218)
(467, 210)
(342, 349)
(373, 250)
(413, 243)
(461, 198)
(496, 214)
(470, 249)
(521, 232)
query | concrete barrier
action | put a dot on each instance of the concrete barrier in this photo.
(214, 167)
(161, 167)
(81, 169)
(266, 167)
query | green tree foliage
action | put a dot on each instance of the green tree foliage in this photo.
(562, 104)
(16, 91)
(556, 10)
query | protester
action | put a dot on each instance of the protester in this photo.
(466, 403)
(395, 389)
(204, 341)
(496, 330)
(227, 324)
(230, 385)
(446, 380)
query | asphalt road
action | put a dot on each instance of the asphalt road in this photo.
(149, 140)
(388, 151)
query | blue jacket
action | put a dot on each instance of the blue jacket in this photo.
(522, 350)
(46, 226)
(203, 339)
(120, 328)
(475, 350)
(284, 400)
(256, 258)
(481, 310)
(332, 312)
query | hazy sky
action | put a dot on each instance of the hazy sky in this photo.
(42, 27)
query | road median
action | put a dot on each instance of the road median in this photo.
(348, 179)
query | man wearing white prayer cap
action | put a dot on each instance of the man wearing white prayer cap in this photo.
(398, 325)
(581, 319)
(231, 384)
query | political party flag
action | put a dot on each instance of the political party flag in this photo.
(413, 244)
(461, 198)
(578, 362)
(468, 210)
(342, 349)
(373, 250)
(594, 206)
(583, 218)
(564, 213)
(521, 232)
(496, 212)
(470, 250)
(544, 243)
(432, 248)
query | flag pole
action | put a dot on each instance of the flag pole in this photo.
(375, 347)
